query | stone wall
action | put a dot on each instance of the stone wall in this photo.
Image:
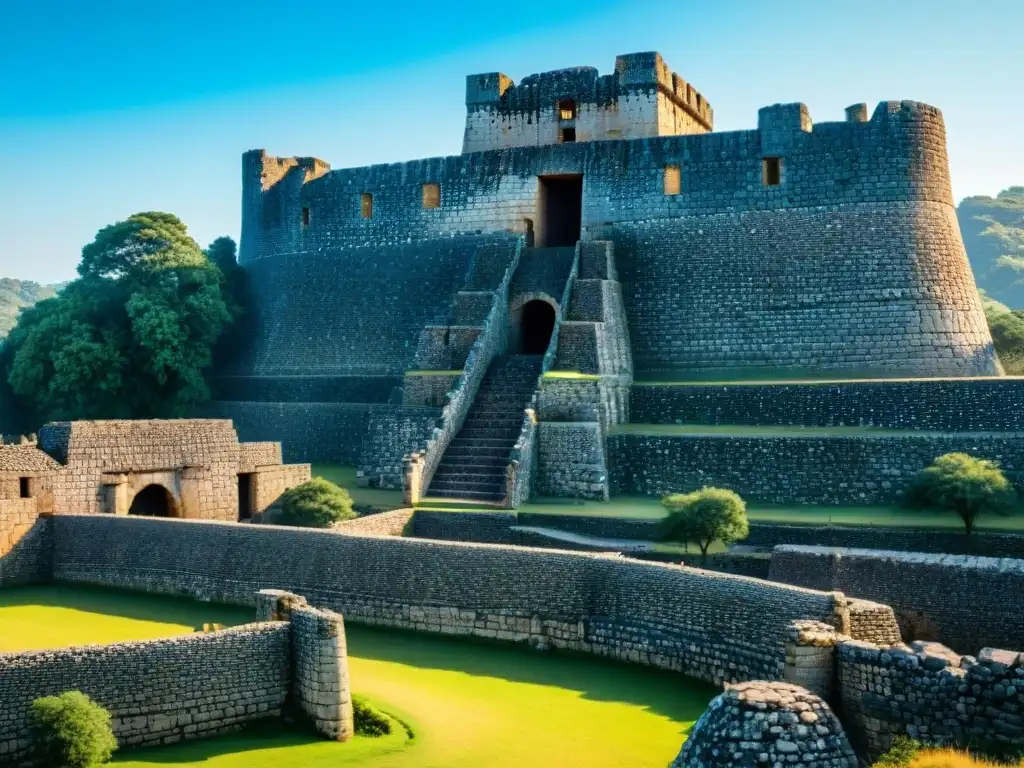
(906, 539)
(391, 433)
(942, 405)
(391, 523)
(24, 543)
(571, 460)
(963, 601)
(157, 691)
(270, 483)
(804, 469)
(730, 272)
(642, 612)
(324, 432)
(932, 695)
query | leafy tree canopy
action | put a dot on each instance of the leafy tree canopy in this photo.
(705, 516)
(1007, 328)
(316, 504)
(962, 484)
(131, 338)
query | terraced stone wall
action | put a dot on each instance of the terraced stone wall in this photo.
(391, 433)
(941, 405)
(963, 601)
(641, 612)
(849, 469)
(332, 433)
(157, 691)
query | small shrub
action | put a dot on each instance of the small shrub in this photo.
(705, 516)
(962, 484)
(369, 720)
(316, 504)
(73, 731)
(900, 754)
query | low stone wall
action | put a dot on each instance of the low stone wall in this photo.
(157, 691)
(954, 405)
(24, 543)
(965, 602)
(571, 460)
(930, 694)
(634, 611)
(391, 523)
(392, 431)
(950, 541)
(479, 527)
(270, 483)
(809, 469)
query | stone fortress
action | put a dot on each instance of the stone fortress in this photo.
(528, 317)
(519, 320)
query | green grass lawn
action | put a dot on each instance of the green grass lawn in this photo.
(469, 704)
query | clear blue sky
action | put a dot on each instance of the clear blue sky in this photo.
(131, 106)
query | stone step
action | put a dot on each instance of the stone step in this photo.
(469, 451)
(460, 486)
(475, 478)
(507, 433)
(488, 497)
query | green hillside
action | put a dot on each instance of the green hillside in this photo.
(15, 294)
(993, 231)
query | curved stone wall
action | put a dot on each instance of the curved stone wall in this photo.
(712, 626)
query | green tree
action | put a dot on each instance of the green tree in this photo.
(705, 516)
(316, 504)
(962, 484)
(1007, 328)
(73, 731)
(132, 337)
(235, 283)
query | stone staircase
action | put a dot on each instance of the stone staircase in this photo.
(473, 467)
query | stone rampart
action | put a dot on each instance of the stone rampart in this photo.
(963, 601)
(391, 523)
(932, 695)
(730, 272)
(941, 405)
(805, 469)
(157, 691)
(646, 613)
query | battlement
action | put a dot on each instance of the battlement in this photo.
(641, 98)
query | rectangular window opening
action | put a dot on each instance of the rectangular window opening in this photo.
(673, 180)
(771, 171)
(25, 487)
(431, 195)
(305, 217)
(566, 109)
(366, 205)
(568, 135)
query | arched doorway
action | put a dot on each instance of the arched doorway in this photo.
(536, 326)
(152, 501)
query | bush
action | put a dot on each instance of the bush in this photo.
(900, 755)
(962, 484)
(369, 720)
(704, 516)
(73, 731)
(316, 504)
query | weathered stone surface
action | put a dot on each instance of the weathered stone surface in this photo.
(761, 723)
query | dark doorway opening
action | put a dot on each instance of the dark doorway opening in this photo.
(152, 501)
(561, 210)
(25, 487)
(245, 496)
(536, 327)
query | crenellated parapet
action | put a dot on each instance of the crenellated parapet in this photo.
(642, 97)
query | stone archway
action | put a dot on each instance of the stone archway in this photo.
(536, 324)
(153, 501)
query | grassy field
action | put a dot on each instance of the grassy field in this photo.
(469, 704)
